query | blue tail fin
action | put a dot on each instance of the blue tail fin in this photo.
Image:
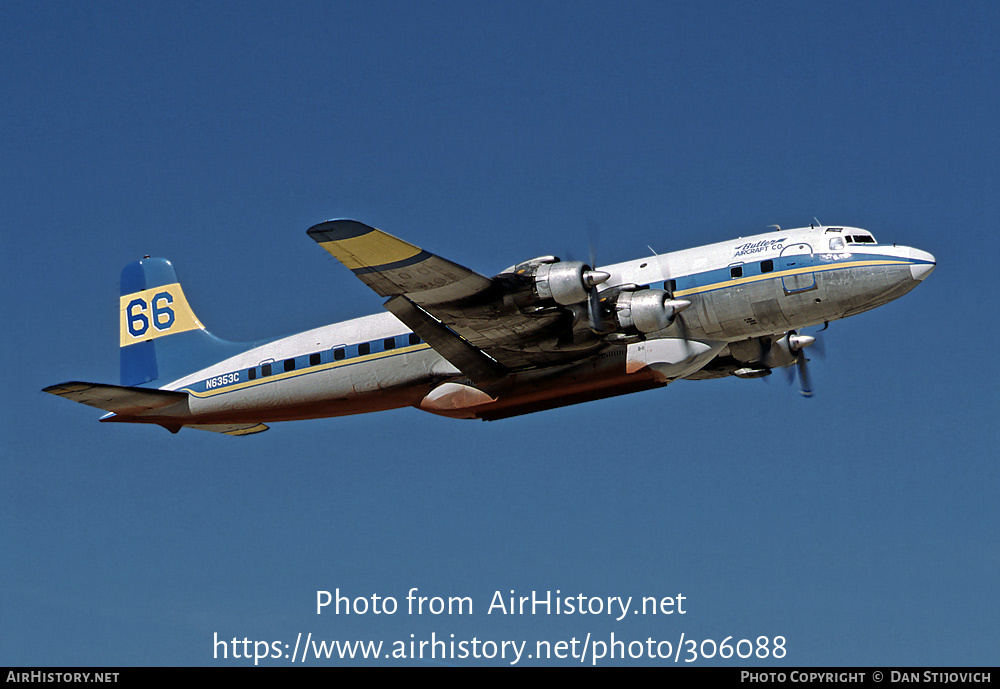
(161, 338)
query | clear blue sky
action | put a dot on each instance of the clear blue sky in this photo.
(861, 525)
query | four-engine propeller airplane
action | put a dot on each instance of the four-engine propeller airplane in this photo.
(541, 334)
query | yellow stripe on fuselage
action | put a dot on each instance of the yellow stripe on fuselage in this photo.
(784, 273)
(374, 248)
(156, 312)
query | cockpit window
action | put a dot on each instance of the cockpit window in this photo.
(836, 243)
(861, 239)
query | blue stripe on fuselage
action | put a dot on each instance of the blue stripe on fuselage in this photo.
(721, 278)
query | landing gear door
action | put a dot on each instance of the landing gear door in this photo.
(797, 259)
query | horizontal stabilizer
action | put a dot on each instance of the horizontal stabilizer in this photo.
(119, 399)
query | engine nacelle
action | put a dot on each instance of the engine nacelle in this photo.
(771, 352)
(562, 282)
(543, 284)
(645, 311)
(553, 281)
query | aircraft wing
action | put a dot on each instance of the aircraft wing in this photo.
(393, 267)
(463, 315)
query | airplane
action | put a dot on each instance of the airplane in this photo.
(541, 334)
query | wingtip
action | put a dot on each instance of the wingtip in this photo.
(63, 388)
(338, 229)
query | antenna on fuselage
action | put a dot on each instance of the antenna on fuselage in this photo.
(776, 227)
(816, 221)
(652, 249)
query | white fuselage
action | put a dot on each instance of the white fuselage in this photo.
(751, 287)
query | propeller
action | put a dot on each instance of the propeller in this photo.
(797, 344)
(591, 279)
(679, 305)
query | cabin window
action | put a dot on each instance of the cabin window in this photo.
(265, 370)
(289, 364)
(766, 266)
(364, 348)
(339, 353)
(736, 271)
(251, 373)
(389, 343)
(314, 359)
(414, 339)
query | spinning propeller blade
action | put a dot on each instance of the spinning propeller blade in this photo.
(798, 343)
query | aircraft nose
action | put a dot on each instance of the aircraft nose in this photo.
(924, 264)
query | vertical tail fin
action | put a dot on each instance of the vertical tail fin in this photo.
(161, 339)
